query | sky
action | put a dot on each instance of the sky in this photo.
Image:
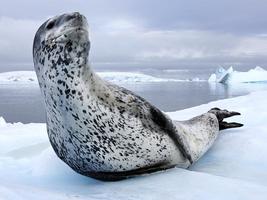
(145, 32)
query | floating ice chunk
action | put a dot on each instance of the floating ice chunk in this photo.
(212, 78)
(221, 75)
(2, 122)
(129, 77)
(255, 75)
(224, 75)
(196, 79)
(18, 77)
(116, 77)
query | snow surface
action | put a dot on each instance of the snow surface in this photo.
(234, 168)
(27, 77)
(255, 75)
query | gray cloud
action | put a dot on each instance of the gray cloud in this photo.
(128, 31)
(241, 16)
(145, 45)
(16, 37)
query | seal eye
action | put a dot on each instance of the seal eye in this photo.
(50, 25)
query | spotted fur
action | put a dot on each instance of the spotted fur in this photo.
(99, 129)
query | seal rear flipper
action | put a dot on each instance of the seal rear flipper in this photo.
(222, 114)
(169, 127)
(200, 133)
(225, 125)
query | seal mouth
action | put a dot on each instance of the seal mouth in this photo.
(63, 36)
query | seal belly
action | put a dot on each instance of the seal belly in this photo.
(108, 143)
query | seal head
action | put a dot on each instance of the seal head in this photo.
(61, 40)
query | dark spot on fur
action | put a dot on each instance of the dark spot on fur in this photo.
(65, 70)
(67, 91)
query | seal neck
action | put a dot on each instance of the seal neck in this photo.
(65, 61)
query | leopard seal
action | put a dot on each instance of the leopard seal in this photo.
(102, 130)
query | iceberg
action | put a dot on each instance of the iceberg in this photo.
(2, 122)
(234, 168)
(29, 77)
(127, 77)
(256, 75)
(18, 77)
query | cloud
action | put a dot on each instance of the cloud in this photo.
(132, 42)
(16, 38)
(238, 16)
(251, 46)
(122, 40)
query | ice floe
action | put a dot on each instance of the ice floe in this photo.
(256, 75)
(234, 168)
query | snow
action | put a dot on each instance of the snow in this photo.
(231, 76)
(29, 77)
(234, 168)
(126, 77)
(18, 77)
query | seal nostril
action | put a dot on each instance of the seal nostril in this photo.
(77, 14)
(69, 17)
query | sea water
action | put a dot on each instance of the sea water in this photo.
(23, 102)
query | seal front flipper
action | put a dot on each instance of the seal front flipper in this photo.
(153, 116)
(222, 114)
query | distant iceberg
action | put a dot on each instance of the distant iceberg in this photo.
(255, 75)
(27, 77)
(126, 77)
(18, 76)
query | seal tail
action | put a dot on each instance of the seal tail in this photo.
(222, 114)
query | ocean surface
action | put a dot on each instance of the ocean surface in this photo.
(23, 102)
